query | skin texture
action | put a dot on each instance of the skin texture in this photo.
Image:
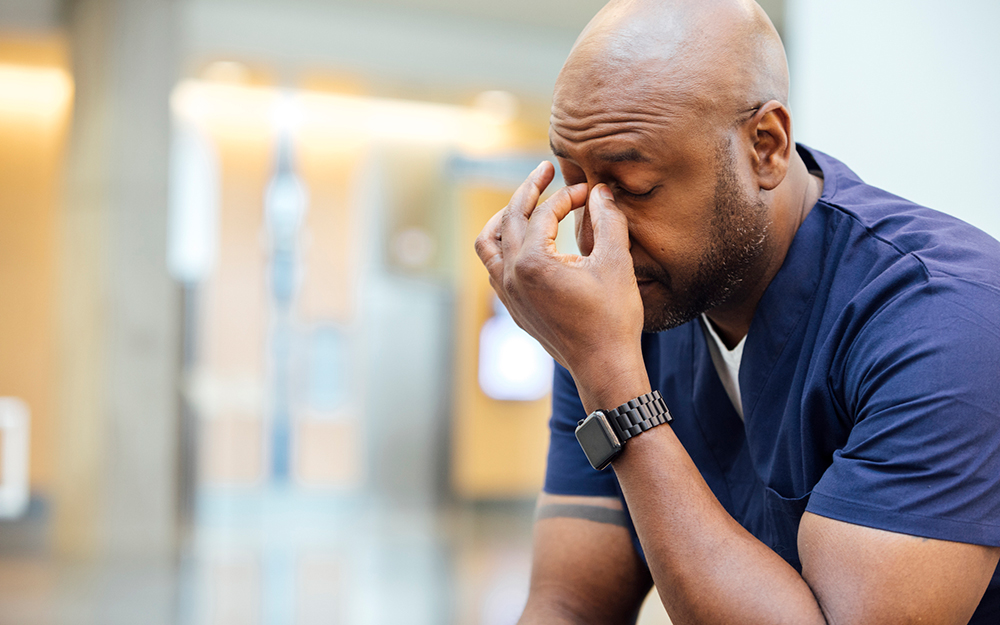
(672, 130)
(568, 553)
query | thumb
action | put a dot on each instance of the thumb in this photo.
(609, 223)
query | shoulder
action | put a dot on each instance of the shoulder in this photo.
(894, 272)
(898, 230)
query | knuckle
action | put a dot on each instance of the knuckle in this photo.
(480, 245)
(508, 284)
(505, 217)
(544, 210)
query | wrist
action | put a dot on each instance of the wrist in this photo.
(607, 383)
(604, 433)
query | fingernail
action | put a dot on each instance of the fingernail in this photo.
(606, 193)
(537, 169)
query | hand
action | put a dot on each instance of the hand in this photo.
(584, 310)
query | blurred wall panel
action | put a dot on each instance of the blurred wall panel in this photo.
(498, 447)
(905, 92)
(405, 336)
(235, 300)
(230, 367)
(329, 434)
(35, 103)
(396, 45)
(119, 309)
(329, 166)
(41, 16)
(328, 452)
(413, 208)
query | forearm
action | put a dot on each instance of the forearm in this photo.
(584, 568)
(550, 612)
(706, 567)
(541, 613)
(564, 606)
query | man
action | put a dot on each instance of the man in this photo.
(846, 467)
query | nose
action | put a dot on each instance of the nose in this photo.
(585, 230)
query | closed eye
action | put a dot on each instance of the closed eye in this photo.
(636, 196)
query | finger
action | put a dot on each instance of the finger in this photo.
(488, 246)
(608, 222)
(522, 203)
(584, 232)
(544, 223)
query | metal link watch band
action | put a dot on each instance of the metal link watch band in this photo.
(638, 415)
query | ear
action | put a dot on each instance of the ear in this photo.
(771, 135)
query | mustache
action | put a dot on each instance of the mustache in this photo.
(651, 273)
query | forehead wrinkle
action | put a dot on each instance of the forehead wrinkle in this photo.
(624, 155)
(605, 122)
(628, 155)
(600, 108)
(640, 130)
(589, 103)
(596, 133)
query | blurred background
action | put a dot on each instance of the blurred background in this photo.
(251, 371)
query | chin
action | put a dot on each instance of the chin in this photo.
(662, 312)
(661, 323)
(665, 316)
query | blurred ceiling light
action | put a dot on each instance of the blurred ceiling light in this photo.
(338, 118)
(193, 226)
(223, 107)
(286, 114)
(227, 72)
(402, 121)
(501, 105)
(44, 92)
(512, 365)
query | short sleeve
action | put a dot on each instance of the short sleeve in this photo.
(568, 471)
(922, 383)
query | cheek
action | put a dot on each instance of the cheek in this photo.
(675, 245)
(675, 230)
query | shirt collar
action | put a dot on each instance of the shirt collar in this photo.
(789, 295)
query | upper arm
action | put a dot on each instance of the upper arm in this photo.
(922, 459)
(864, 575)
(583, 570)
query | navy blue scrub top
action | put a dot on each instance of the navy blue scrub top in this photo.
(870, 382)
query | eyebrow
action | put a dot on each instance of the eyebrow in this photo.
(629, 155)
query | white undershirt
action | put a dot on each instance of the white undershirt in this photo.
(727, 363)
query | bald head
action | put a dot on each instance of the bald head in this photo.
(707, 55)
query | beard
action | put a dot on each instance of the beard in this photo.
(739, 230)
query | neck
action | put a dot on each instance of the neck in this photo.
(791, 201)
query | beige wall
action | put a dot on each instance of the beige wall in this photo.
(32, 145)
(498, 446)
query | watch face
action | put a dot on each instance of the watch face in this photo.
(598, 441)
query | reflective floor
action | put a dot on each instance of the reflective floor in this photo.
(279, 557)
